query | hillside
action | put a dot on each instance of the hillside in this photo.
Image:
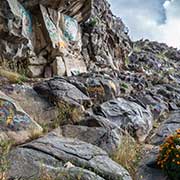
(79, 100)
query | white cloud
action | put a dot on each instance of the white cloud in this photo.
(153, 19)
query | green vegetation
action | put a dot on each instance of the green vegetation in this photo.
(137, 49)
(169, 156)
(93, 21)
(126, 62)
(67, 114)
(13, 77)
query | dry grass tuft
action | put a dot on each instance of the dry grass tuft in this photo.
(128, 154)
(13, 77)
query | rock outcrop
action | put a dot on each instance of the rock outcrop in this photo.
(70, 66)
(83, 34)
(55, 152)
(15, 124)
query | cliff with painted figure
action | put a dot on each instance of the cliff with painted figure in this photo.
(42, 39)
(79, 100)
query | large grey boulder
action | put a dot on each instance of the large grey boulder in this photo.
(108, 140)
(63, 150)
(156, 103)
(167, 128)
(37, 164)
(99, 86)
(127, 115)
(59, 90)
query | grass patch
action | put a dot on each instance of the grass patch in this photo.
(5, 147)
(13, 77)
(128, 154)
(67, 114)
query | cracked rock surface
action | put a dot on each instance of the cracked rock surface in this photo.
(54, 152)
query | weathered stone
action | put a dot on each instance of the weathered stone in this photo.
(15, 34)
(167, 128)
(156, 103)
(59, 90)
(40, 109)
(156, 60)
(81, 154)
(59, 68)
(37, 60)
(127, 115)
(74, 65)
(99, 86)
(108, 140)
(104, 38)
(30, 164)
(80, 10)
(35, 71)
(48, 72)
(14, 122)
(148, 169)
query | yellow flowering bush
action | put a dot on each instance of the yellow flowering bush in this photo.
(169, 156)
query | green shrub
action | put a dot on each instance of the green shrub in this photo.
(169, 156)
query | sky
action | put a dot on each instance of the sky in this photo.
(157, 20)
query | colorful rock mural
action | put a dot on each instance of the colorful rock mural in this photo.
(71, 28)
(54, 32)
(14, 122)
(18, 10)
(10, 118)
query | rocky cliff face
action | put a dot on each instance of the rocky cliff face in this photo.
(45, 35)
(105, 40)
(99, 87)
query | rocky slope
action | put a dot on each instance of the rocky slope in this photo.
(73, 84)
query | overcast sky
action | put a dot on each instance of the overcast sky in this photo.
(153, 19)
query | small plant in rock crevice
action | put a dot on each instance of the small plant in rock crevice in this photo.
(67, 114)
(169, 156)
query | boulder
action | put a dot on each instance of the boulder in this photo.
(108, 140)
(15, 124)
(55, 152)
(100, 87)
(127, 115)
(40, 165)
(40, 109)
(148, 169)
(59, 90)
(59, 68)
(74, 65)
(156, 103)
(35, 71)
(40, 60)
(166, 128)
